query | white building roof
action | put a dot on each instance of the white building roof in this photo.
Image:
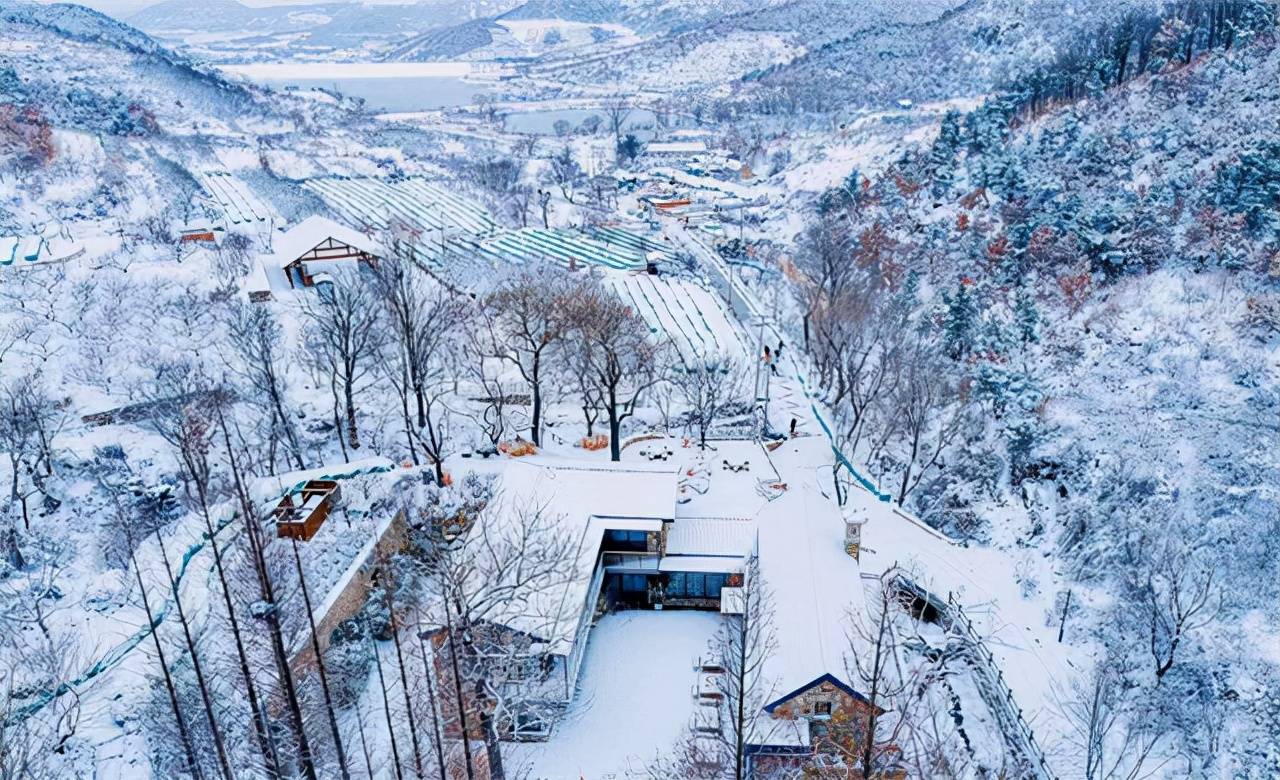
(314, 231)
(586, 497)
(676, 147)
(711, 536)
(814, 586)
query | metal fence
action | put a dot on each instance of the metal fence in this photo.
(998, 696)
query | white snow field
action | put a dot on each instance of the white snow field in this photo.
(634, 697)
(693, 318)
(413, 204)
(233, 199)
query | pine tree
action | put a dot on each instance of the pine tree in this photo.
(959, 321)
(1026, 317)
(942, 157)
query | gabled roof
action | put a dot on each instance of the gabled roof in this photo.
(314, 231)
(826, 678)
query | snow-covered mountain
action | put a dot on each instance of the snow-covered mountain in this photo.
(976, 304)
(1097, 278)
(227, 27)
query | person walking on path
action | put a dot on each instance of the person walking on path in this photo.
(768, 360)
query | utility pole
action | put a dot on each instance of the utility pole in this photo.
(761, 393)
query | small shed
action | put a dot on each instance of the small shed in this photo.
(300, 514)
(317, 245)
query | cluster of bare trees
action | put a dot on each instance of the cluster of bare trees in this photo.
(272, 715)
(566, 335)
(29, 419)
(552, 328)
(897, 408)
(486, 601)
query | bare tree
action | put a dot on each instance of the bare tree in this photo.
(852, 329)
(17, 435)
(873, 659)
(320, 666)
(854, 347)
(929, 420)
(1179, 597)
(344, 335)
(743, 646)
(496, 575)
(425, 318)
(32, 745)
(259, 341)
(617, 111)
(386, 702)
(270, 611)
(425, 368)
(617, 361)
(206, 700)
(1114, 743)
(179, 718)
(29, 419)
(530, 311)
(565, 172)
(577, 363)
(520, 203)
(482, 363)
(708, 389)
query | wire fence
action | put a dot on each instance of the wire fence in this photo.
(997, 694)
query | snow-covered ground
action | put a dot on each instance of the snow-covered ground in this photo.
(1156, 388)
(634, 700)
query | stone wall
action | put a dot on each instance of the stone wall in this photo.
(843, 731)
(353, 593)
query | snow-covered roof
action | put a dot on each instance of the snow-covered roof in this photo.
(711, 536)
(813, 584)
(257, 281)
(676, 147)
(314, 231)
(586, 498)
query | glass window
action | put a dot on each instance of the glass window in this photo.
(675, 584)
(714, 583)
(694, 585)
(626, 540)
(697, 586)
(634, 583)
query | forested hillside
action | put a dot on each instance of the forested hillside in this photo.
(1072, 347)
(945, 333)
